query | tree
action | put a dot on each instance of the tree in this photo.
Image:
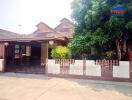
(85, 13)
(79, 8)
(83, 43)
(115, 28)
(95, 26)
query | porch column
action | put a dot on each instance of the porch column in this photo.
(2, 57)
(44, 53)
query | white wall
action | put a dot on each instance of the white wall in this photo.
(92, 69)
(52, 67)
(121, 71)
(77, 67)
(1, 65)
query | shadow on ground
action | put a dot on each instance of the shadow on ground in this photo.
(124, 88)
(23, 75)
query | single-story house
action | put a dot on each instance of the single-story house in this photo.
(32, 50)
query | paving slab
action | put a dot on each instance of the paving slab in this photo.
(15, 86)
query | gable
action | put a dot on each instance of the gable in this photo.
(42, 27)
(66, 28)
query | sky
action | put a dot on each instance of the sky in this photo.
(21, 16)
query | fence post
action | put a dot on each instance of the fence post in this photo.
(45, 66)
(84, 67)
(130, 64)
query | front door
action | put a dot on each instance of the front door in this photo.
(21, 54)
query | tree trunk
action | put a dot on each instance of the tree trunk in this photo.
(93, 51)
(118, 49)
(124, 48)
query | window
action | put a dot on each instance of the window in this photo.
(17, 51)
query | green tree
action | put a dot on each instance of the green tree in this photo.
(95, 26)
(115, 27)
(83, 43)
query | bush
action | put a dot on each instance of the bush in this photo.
(60, 52)
(110, 55)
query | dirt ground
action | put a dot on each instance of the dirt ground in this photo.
(39, 87)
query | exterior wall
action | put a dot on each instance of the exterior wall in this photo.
(1, 65)
(52, 67)
(121, 71)
(92, 69)
(89, 69)
(76, 68)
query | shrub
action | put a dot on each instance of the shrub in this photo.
(60, 52)
(110, 55)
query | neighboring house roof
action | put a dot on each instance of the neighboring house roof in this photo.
(4, 34)
(66, 28)
(7, 35)
(45, 31)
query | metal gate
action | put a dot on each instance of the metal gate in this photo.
(64, 65)
(107, 67)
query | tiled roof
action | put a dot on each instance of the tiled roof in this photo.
(43, 32)
(4, 34)
(65, 28)
(11, 36)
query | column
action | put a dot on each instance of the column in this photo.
(44, 53)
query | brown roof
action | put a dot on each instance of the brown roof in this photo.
(37, 35)
(43, 27)
(64, 20)
(65, 28)
(4, 34)
(43, 32)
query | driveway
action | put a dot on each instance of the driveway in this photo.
(39, 87)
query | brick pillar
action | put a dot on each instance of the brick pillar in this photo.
(131, 70)
(84, 67)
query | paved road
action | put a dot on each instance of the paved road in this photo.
(39, 87)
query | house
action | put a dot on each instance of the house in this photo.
(31, 51)
(66, 28)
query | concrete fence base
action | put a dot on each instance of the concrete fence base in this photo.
(1, 65)
(91, 69)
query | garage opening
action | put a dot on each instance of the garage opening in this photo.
(24, 57)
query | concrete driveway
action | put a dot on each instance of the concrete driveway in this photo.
(39, 87)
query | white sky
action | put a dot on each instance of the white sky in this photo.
(29, 13)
